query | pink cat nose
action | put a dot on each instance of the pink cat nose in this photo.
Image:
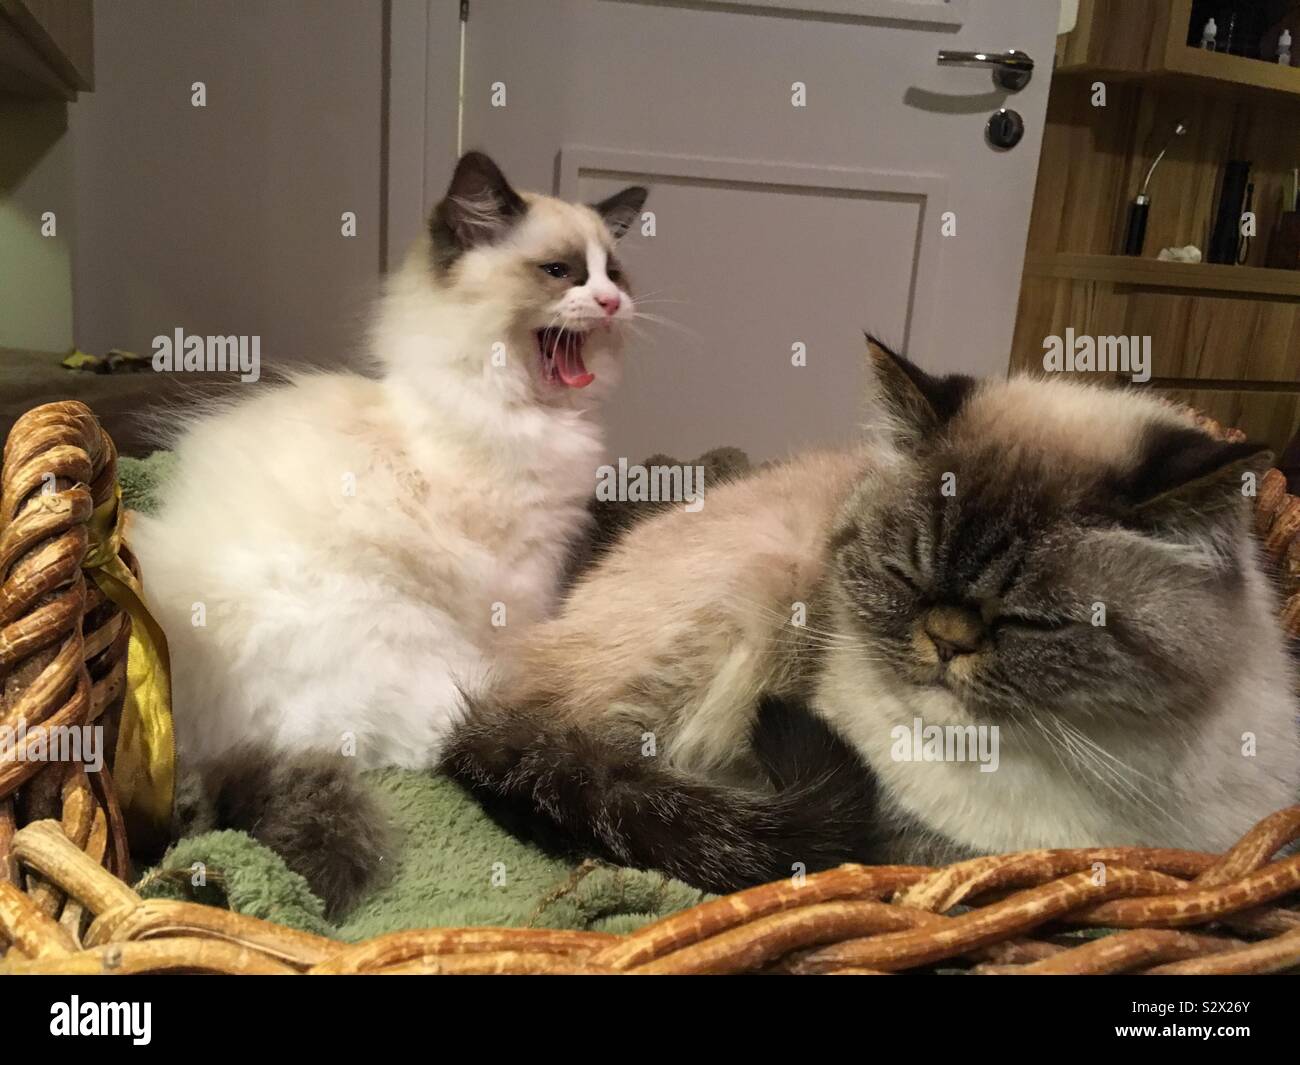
(610, 303)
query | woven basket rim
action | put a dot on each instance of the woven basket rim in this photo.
(1178, 911)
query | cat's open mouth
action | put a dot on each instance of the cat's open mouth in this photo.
(561, 354)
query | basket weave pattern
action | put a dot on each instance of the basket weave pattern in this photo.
(62, 642)
(851, 920)
(65, 908)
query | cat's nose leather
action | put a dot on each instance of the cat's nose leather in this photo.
(954, 631)
(610, 303)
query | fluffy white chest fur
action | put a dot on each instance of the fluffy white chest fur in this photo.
(337, 560)
(331, 567)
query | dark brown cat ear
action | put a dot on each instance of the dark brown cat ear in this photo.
(1183, 475)
(479, 206)
(622, 209)
(918, 402)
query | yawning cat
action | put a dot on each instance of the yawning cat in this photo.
(335, 560)
(1061, 579)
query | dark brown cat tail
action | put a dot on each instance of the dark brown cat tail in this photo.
(311, 808)
(575, 791)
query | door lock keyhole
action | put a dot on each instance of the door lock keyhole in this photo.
(1005, 129)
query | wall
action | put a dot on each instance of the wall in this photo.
(225, 219)
(35, 177)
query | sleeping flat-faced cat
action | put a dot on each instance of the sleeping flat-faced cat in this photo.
(334, 558)
(1061, 575)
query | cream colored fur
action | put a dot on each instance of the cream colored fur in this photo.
(331, 555)
(689, 619)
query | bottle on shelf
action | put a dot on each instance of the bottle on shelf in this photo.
(1209, 36)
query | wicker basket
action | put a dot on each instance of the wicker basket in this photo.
(62, 642)
(65, 906)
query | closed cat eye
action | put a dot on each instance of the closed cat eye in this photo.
(614, 272)
(1033, 624)
(556, 270)
(899, 574)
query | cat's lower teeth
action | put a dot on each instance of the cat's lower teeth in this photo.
(561, 352)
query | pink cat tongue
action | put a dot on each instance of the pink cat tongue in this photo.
(568, 361)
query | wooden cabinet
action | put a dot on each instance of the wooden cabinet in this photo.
(1225, 338)
(46, 47)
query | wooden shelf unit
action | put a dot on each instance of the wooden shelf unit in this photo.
(1226, 338)
(1158, 274)
(1147, 40)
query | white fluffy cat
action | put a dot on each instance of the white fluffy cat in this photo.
(336, 558)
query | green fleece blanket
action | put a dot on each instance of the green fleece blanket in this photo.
(454, 865)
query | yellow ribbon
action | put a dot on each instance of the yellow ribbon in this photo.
(144, 765)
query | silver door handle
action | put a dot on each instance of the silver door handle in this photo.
(1012, 69)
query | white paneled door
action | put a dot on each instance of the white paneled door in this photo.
(815, 172)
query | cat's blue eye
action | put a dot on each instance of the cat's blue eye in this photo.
(556, 270)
